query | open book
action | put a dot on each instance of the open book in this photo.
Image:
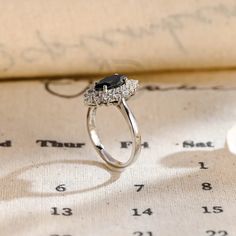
(52, 183)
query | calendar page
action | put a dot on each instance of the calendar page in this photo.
(53, 183)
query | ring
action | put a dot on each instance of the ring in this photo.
(112, 90)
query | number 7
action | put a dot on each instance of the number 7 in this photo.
(139, 187)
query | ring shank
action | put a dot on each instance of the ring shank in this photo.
(136, 137)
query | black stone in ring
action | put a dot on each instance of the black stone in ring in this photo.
(111, 82)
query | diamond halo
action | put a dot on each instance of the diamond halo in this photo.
(93, 97)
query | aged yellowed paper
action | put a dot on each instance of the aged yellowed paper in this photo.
(57, 37)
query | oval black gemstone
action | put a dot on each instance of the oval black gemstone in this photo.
(111, 82)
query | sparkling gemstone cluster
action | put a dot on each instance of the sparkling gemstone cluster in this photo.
(126, 88)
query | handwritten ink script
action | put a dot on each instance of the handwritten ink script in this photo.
(98, 50)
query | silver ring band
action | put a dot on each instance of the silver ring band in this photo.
(136, 137)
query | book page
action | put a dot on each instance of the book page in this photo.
(53, 183)
(42, 38)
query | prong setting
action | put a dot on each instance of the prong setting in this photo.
(105, 88)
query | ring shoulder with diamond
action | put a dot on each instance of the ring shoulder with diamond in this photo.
(113, 90)
(110, 90)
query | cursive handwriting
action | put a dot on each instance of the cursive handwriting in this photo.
(173, 24)
(150, 88)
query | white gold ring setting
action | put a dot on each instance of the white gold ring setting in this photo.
(113, 90)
